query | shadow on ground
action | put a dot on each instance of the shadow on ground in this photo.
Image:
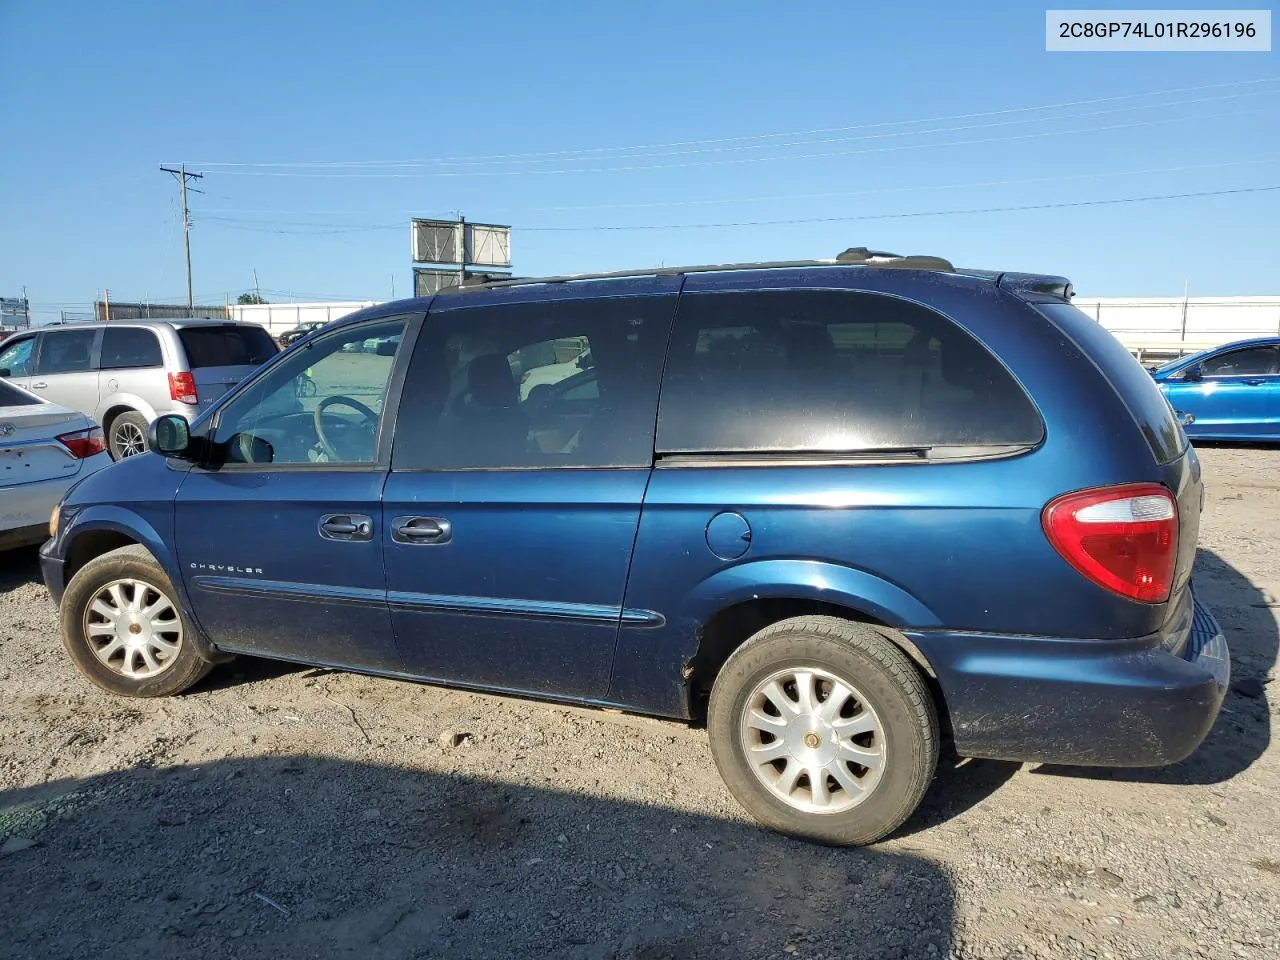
(1243, 731)
(19, 568)
(290, 856)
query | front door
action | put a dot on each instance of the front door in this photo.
(67, 369)
(281, 544)
(1234, 396)
(523, 446)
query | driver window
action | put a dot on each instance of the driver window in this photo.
(321, 404)
(16, 358)
(1251, 362)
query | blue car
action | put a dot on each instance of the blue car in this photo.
(1231, 392)
(835, 510)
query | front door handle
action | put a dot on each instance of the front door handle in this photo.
(346, 526)
(39, 386)
(421, 530)
(1254, 381)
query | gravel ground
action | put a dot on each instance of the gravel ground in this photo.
(287, 812)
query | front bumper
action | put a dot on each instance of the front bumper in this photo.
(1127, 703)
(51, 567)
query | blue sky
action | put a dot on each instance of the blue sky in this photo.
(564, 115)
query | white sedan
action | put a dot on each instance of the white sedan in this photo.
(44, 448)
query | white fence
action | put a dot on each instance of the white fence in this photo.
(1174, 326)
(279, 317)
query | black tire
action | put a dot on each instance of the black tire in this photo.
(132, 563)
(123, 433)
(886, 680)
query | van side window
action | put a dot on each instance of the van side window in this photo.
(555, 384)
(65, 351)
(831, 372)
(129, 347)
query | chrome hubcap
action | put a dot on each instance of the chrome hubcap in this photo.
(813, 740)
(133, 629)
(130, 439)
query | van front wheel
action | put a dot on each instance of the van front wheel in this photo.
(124, 629)
(823, 729)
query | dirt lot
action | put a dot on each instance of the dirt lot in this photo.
(284, 812)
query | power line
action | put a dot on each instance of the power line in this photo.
(802, 220)
(452, 174)
(902, 216)
(705, 201)
(355, 166)
(262, 225)
(215, 214)
(760, 136)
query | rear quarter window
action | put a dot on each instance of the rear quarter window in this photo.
(1134, 384)
(803, 371)
(227, 346)
(129, 347)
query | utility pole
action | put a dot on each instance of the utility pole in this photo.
(462, 255)
(182, 177)
(1186, 289)
(257, 293)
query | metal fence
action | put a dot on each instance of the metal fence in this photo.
(155, 311)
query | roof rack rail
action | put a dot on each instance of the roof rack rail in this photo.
(851, 257)
(879, 258)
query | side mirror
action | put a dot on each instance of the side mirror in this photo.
(1193, 373)
(169, 436)
(5, 372)
(387, 348)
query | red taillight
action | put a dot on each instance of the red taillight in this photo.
(1122, 538)
(84, 443)
(182, 387)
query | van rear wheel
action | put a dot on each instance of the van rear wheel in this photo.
(127, 436)
(823, 729)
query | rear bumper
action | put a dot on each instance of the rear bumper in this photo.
(25, 507)
(1129, 703)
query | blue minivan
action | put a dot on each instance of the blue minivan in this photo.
(835, 510)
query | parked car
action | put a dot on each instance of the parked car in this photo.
(44, 448)
(125, 374)
(295, 334)
(837, 510)
(1231, 392)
